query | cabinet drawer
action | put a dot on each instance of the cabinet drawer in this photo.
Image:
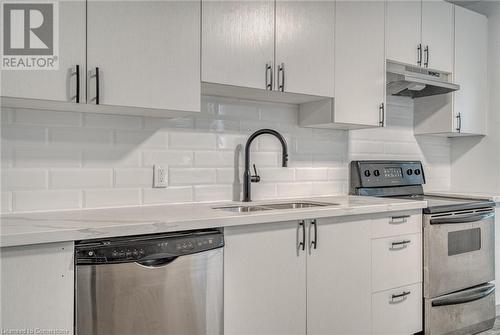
(396, 261)
(397, 311)
(398, 224)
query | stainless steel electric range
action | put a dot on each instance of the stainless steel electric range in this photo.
(458, 246)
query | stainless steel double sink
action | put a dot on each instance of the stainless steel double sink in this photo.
(275, 206)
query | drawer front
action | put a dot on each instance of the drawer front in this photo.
(397, 311)
(396, 261)
(398, 224)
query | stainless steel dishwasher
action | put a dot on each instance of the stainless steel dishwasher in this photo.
(166, 284)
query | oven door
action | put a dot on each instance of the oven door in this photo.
(459, 251)
(461, 313)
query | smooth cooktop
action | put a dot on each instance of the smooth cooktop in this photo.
(436, 204)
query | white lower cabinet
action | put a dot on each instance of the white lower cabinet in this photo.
(338, 277)
(264, 280)
(37, 289)
(322, 276)
(396, 261)
(397, 311)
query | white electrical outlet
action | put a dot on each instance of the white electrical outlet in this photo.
(159, 176)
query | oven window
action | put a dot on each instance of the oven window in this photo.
(463, 241)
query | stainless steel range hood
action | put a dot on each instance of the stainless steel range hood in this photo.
(416, 82)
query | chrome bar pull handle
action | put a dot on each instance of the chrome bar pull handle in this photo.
(399, 219)
(459, 122)
(419, 54)
(426, 51)
(381, 110)
(399, 244)
(281, 83)
(77, 75)
(269, 76)
(397, 298)
(302, 244)
(314, 242)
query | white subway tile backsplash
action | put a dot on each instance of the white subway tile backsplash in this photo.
(329, 188)
(276, 174)
(97, 160)
(263, 191)
(143, 139)
(81, 178)
(191, 176)
(18, 179)
(80, 137)
(230, 141)
(168, 195)
(36, 157)
(47, 118)
(140, 177)
(212, 192)
(21, 135)
(187, 140)
(46, 200)
(93, 158)
(112, 121)
(311, 174)
(294, 190)
(170, 157)
(6, 202)
(111, 197)
(214, 158)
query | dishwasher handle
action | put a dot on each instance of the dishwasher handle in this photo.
(157, 263)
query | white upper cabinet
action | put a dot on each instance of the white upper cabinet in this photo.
(147, 54)
(404, 31)
(304, 47)
(338, 278)
(359, 63)
(238, 43)
(471, 44)
(421, 33)
(61, 84)
(437, 35)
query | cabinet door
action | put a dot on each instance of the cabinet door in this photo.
(437, 35)
(148, 53)
(338, 278)
(237, 42)
(404, 30)
(359, 62)
(471, 45)
(304, 45)
(38, 287)
(55, 85)
(264, 280)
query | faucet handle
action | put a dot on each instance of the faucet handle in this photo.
(255, 178)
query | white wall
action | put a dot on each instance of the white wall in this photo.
(63, 160)
(476, 162)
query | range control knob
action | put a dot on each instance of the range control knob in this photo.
(367, 173)
(409, 172)
(376, 173)
(417, 172)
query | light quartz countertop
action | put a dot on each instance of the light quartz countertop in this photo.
(58, 226)
(465, 195)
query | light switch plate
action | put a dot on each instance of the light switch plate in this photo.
(160, 179)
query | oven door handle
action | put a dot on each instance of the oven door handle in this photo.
(467, 296)
(463, 219)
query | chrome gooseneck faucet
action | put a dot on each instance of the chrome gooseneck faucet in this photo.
(247, 176)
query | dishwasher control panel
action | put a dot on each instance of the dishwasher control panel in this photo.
(151, 247)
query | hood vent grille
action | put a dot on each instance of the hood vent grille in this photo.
(416, 82)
